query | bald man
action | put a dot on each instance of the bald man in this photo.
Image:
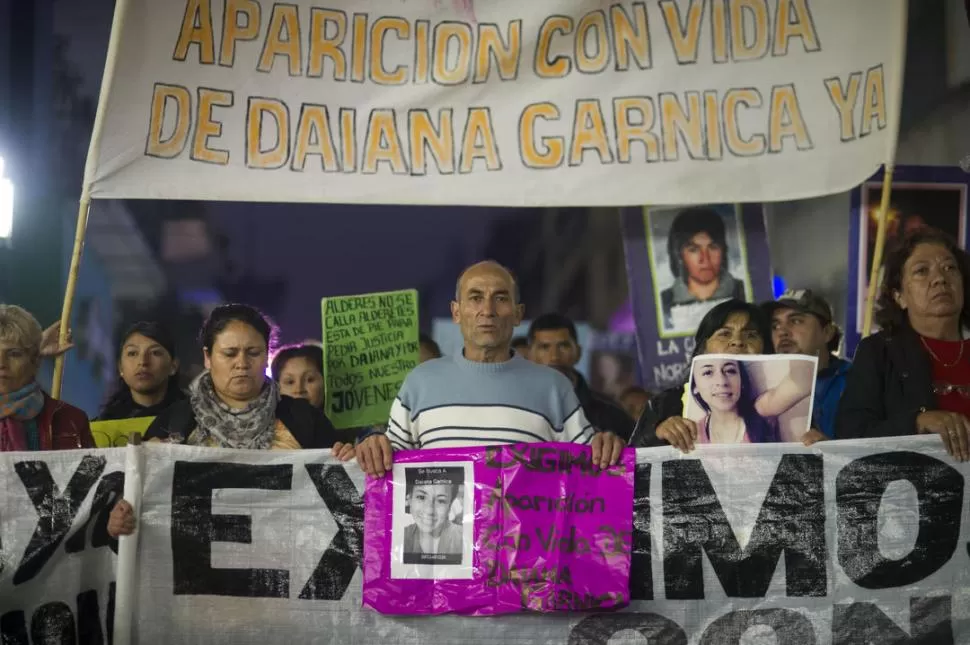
(486, 395)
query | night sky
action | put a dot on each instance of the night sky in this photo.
(318, 250)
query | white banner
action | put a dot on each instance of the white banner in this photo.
(57, 562)
(851, 542)
(504, 102)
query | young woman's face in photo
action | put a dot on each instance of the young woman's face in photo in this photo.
(429, 507)
(719, 383)
(703, 258)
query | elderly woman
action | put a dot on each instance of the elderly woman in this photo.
(913, 377)
(234, 405)
(29, 419)
(148, 374)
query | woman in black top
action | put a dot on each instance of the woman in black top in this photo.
(148, 374)
(234, 405)
(913, 377)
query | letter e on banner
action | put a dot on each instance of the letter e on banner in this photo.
(195, 528)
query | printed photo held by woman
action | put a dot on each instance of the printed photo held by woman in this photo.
(433, 499)
(913, 376)
(233, 404)
(148, 374)
(733, 409)
(698, 255)
(29, 418)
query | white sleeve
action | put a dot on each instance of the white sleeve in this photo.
(399, 430)
(576, 428)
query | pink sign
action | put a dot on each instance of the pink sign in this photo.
(504, 529)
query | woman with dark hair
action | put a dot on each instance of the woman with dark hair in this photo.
(299, 371)
(233, 404)
(913, 377)
(698, 252)
(732, 327)
(148, 374)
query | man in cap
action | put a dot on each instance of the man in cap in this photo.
(802, 323)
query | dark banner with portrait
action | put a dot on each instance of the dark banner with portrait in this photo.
(681, 262)
(922, 197)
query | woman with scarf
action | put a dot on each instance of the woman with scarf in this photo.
(148, 374)
(234, 405)
(29, 419)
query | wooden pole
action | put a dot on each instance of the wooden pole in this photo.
(887, 189)
(84, 205)
(79, 234)
(894, 96)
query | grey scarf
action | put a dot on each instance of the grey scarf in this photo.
(251, 428)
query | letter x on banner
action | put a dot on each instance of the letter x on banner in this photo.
(847, 542)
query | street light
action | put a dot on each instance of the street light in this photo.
(6, 205)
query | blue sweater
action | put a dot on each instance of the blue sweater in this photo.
(452, 402)
(829, 385)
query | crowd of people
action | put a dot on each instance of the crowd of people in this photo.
(912, 377)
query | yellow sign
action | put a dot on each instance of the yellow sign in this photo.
(114, 434)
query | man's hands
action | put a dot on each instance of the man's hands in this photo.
(374, 455)
(607, 448)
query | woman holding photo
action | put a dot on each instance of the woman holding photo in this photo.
(430, 500)
(734, 412)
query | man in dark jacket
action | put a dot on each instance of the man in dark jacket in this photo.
(553, 342)
(802, 323)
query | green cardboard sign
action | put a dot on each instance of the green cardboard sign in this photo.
(370, 343)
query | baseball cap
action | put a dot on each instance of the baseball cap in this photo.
(803, 300)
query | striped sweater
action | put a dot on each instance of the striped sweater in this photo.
(452, 402)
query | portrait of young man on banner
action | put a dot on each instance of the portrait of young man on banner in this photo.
(433, 521)
(697, 260)
(751, 399)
